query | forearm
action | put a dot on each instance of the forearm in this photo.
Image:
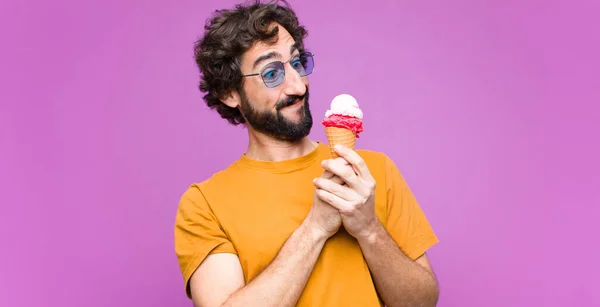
(399, 280)
(282, 282)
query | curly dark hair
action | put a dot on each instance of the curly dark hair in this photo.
(230, 33)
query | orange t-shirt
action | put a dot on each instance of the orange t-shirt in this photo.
(252, 207)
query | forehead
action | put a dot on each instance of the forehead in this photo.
(281, 47)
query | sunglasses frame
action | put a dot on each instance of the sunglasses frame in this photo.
(309, 54)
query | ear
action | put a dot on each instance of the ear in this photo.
(231, 99)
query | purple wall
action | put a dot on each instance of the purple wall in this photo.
(494, 108)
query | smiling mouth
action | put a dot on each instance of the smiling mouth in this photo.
(294, 103)
(299, 101)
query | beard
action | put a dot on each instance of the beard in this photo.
(275, 124)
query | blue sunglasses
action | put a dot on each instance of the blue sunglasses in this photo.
(273, 73)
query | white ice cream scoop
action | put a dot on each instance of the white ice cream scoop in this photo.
(344, 104)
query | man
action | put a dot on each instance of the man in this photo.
(286, 225)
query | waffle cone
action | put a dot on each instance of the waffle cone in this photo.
(339, 136)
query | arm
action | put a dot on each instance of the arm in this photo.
(399, 280)
(219, 280)
(217, 276)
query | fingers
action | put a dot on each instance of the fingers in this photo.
(355, 160)
(338, 180)
(341, 191)
(342, 169)
(332, 199)
(329, 175)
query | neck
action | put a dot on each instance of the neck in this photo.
(265, 148)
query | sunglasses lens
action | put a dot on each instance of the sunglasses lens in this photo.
(273, 74)
(305, 65)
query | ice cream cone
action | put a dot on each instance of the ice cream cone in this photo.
(339, 136)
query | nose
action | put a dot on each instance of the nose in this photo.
(293, 83)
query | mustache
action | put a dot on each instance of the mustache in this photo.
(289, 101)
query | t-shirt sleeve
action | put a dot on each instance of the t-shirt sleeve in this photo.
(406, 221)
(197, 233)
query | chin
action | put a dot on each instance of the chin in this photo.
(297, 116)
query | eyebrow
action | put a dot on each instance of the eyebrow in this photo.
(264, 57)
(294, 47)
(273, 54)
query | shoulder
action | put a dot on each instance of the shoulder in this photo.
(199, 191)
(382, 167)
(376, 159)
(371, 155)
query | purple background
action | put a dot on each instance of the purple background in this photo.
(489, 109)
